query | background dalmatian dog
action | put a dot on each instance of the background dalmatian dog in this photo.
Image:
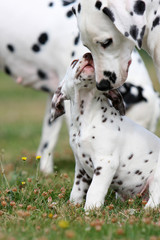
(109, 149)
(119, 26)
(38, 41)
(139, 96)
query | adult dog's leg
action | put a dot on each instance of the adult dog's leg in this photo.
(48, 140)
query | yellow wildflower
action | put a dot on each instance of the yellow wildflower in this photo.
(23, 183)
(38, 157)
(50, 215)
(63, 224)
(24, 159)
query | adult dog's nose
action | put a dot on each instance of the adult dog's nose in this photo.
(104, 85)
(88, 56)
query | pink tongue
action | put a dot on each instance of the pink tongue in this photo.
(88, 69)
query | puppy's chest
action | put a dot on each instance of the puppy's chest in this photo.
(81, 143)
(89, 125)
(89, 128)
(94, 119)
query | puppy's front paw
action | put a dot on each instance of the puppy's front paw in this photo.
(75, 199)
(92, 205)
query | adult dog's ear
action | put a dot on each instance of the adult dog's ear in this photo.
(129, 17)
(117, 100)
(57, 108)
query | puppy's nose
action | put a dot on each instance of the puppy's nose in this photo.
(88, 56)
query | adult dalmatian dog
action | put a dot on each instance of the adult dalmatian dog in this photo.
(109, 148)
(38, 41)
(111, 29)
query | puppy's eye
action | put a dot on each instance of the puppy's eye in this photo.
(106, 43)
(73, 64)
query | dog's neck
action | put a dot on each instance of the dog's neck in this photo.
(82, 99)
(86, 105)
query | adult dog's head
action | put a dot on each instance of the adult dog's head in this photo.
(111, 29)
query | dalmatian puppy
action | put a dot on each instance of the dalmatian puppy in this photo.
(38, 41)
(119, 26)
(109, 148)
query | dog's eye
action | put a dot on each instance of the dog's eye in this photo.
(106, 43)
(73, 64)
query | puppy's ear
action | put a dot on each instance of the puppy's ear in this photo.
(57, 108)
(117, 100)
(129, 17)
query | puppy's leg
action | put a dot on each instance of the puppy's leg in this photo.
(154, 188)
(48, 140)
(81, 184)
(104, 172)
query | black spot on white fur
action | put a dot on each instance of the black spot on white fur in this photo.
(120, 182)
(51, 4)
(138, 172)
(45, 145)
(42, 75)
(98, 5)
(139, 7)
(88, 181)
(77, 182)
(97, 171)
(142, 32)
(110, 75)
(130, 157)
(132, 94)
(43, 38)
(11, 48)
(134, 32)
(74, 10)
(7, 70)
(109, 13)
(76, 40)
(73, 53)
(126, 34)
(79, 8)
(69, 13)
(36, 48)
(66, 3)
(45, 89)
(156, 22)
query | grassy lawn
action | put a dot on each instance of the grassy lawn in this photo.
(34, 206)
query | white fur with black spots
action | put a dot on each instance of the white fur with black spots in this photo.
(109, 149)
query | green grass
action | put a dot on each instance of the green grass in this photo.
(26, 210)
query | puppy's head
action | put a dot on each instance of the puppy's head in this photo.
(80, 75)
